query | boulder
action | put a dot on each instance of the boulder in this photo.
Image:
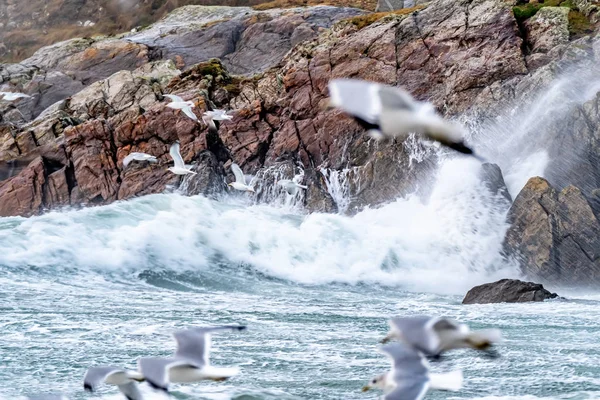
(555, 236)
(507, 291)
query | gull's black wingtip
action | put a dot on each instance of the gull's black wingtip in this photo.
(241, 327)
(87, 387)
(156, 386)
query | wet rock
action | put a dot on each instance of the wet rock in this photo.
(554, 235)
(317, 198)
(90, 147)
(548, 28)
(23, 194)
(507, 291)
(491, 175)
(210, 177)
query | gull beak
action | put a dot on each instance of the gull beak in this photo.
(366, 388)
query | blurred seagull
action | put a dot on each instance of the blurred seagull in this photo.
(191, 360)
(209, 118)
(125, 380)
(409, 377)
(290, 186)
(47, 397)
(433, 335)
(177, 103)
(387, 112)
(240, 179)
(10, 96)
(179, 168)
(135, 156)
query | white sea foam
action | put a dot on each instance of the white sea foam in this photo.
(444, 245)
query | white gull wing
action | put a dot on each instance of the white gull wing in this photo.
(47, 397)
(176, 156)
(174, 98)
(357, 98)
(239, 175)
(138, 157)
(125, 380)
(411, 390)
(418, 332)
(409, 372)
(188, 111)
(194, 344)
(156, 370)
(10, 96)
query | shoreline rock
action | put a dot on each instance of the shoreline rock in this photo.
(507, 291)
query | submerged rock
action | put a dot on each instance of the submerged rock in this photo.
(507, 291)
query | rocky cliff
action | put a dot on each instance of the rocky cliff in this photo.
(96, 100)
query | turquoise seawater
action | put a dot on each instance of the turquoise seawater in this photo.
(107, 285)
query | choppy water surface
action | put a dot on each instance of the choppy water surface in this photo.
(107, 285)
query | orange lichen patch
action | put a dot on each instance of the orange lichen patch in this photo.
(365, 20)
(90, 52)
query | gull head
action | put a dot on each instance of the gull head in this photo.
(376, 383)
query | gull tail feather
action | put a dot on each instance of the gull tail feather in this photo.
(302, 186)
(483, 339)
(452, 381)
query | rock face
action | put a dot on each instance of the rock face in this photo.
(507, 291)
(554, 235)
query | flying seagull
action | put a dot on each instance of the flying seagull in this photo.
(387, 112)
(209, 118)
(179, 168)
(191, 360)
(177, 103)
(240, 179)
(409, 377)
(290, 186)
(125, 380)
(433, 335)
(10, 96)
(135, 156)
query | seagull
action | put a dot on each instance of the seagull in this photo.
(290, 186)
(191, 360)
(409, 377)
(138, 157)
(240, 179)
(10, 96)
(209, 118)
(433, 335)
(125, 380)
(177, 103)
(179, 168)
(388, 112)
(218, 115)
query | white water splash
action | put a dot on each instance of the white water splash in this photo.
(341, 184)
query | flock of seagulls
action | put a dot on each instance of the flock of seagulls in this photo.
(408, 379)
(384, 111)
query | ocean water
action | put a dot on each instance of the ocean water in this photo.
(107, 285)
